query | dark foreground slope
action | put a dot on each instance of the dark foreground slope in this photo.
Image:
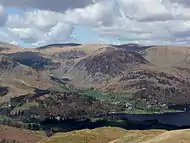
(15, 135)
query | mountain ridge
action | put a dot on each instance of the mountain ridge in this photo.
(96, 65)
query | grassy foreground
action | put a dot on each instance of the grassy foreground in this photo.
(118, 135)
(17, 135)
(101, 135)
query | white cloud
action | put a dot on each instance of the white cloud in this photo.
(38, 18)
(59, 33)
(44, 27)
(14, 42)
(100, 13)
(150, 21)
(143, 21)
(39, 27)
(145, 10)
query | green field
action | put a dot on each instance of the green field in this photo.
(139, 105)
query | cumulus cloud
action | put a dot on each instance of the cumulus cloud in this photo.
(145, 10)
(100, 13)
(41, 19)
(150, 22)
(60, 32)
(43, 27)
(142, 21)
(39, 27)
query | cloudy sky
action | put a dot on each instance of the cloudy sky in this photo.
(32, 23)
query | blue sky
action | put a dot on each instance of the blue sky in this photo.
(84, 35)
(12, 10)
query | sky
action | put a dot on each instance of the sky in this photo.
(33, 23)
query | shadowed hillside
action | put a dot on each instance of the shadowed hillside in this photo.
(3, 91)
(33, 59)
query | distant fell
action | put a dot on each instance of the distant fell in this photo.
(58, 45)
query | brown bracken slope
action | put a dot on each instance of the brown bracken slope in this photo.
(19, 135)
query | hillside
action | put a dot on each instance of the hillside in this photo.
(20, 79)
(54, 49)
(6, 47)
(117, 135)
(102, 135)
(45, 104)
(169, 56)
(129, 68)
(10, 134)
(172, 137)
(34, 60)
(111, 62)
(153, 86)
(162, 56)
(104, 64)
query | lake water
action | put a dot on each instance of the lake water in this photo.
(179, 119)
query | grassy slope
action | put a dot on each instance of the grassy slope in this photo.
(118, 135)
(102, 135)
(168, 56)
(138, 136)
(19, 135)
(179, 136)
